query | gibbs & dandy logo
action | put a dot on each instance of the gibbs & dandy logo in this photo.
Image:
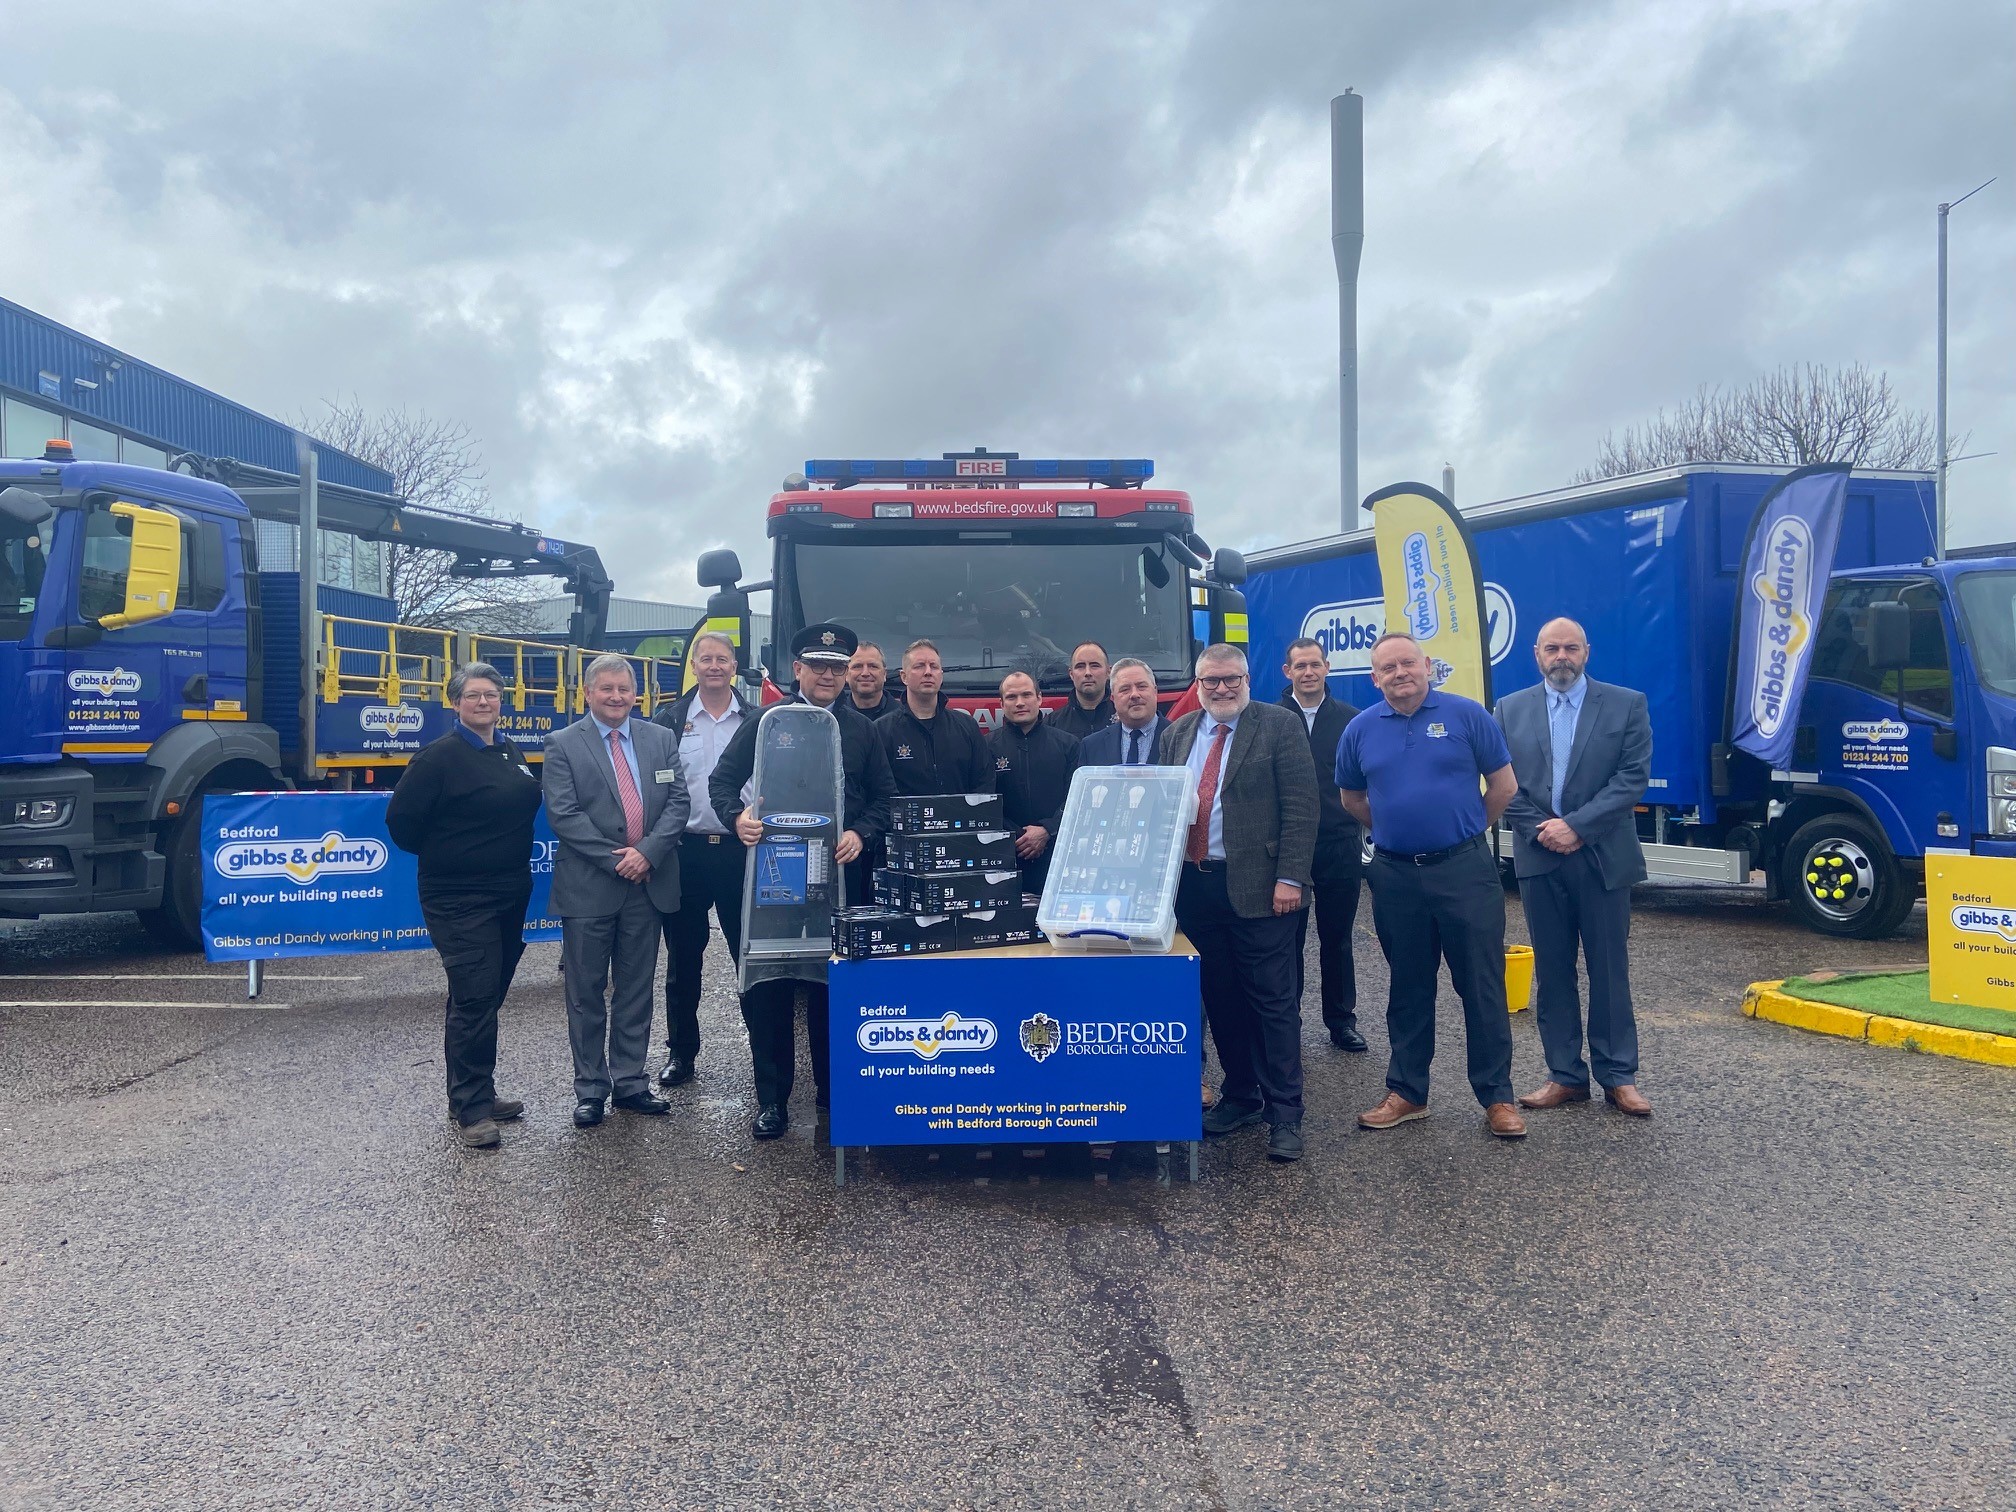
(1784, 634)
(1875, 731)
(1424, 619)
(104, 682)
(335, 854)
(391, 719)
(1973, 919)
(926, 1039)
(1346, 631)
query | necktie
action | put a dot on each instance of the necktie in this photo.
(626, 789)
(1133, 748)
(1561, 736)
(1207, 794)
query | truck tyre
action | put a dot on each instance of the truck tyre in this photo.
(178, 923)
(1842, 879)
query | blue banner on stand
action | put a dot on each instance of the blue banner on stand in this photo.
(1779, 590)
(975, 1049)
(313, 874)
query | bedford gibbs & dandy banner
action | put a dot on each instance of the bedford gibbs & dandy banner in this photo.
(954, 1049)
(313, 874)
(1428, 576)
(1786, 560)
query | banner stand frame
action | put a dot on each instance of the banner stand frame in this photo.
(255, 977)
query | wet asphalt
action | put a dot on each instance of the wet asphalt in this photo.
(242, 1264)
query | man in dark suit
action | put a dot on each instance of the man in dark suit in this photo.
(1340, 856)
(1582, 751)
(616, 799)
(1136, 732)
(1245, 879)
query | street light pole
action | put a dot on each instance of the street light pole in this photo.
(1939, 404)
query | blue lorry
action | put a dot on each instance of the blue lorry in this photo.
(147, 659)
(1907, 736)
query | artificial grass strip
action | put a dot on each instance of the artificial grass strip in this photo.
(1904, 995)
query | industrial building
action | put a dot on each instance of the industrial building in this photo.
(113, 407)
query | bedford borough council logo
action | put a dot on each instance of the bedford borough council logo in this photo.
(1041, 1037)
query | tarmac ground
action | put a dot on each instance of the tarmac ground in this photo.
(243, 1264)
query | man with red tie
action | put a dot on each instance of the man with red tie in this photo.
(616, 798)
(1244, 881)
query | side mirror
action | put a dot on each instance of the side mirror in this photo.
(1181, 551)
(1889, 637)
(1229, 567)
(718, 569)
(152, 569)
(25, 506)
(1153, 567)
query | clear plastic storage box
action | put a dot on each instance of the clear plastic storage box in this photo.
(1118, 854)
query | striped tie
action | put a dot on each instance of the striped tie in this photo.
(626, 789)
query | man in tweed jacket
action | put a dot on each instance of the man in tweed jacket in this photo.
(1245, 881)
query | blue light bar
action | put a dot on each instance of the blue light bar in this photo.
(980, 471)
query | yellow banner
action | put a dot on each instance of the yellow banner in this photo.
(1428, 575)
(1970, 925)
(725, 625)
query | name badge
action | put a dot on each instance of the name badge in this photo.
(670, 774)
(1436, 732)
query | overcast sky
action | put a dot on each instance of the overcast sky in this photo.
(657, 255)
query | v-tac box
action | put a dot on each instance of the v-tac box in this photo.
(934, 813)
(952, 850)
(866, 934)
(989, 928)
(946, 892)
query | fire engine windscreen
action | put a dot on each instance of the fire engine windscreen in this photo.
(995, 605)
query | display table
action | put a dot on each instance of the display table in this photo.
(1022, 1045)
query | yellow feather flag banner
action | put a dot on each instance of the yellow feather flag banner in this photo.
(1433, 590)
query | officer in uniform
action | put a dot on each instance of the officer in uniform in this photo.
(1033, 763)
(868, 691)
(819, 656)
(1089, 707)
(1408, 769)
(932, 749)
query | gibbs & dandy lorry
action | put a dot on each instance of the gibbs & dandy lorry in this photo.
(1906, 737)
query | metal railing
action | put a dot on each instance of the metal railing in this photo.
(534, 671)
(370, 658)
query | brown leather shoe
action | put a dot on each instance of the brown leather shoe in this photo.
(1552, 1094)
(1628, 1099)
(1503, 1120)
(1393, 1109)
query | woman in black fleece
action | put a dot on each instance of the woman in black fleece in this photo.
(465, 807)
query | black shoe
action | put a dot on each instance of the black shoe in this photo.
(771, 1122)
(643, 1102)
(1284, 1141)
(678, 1068)
(587, 1112)
(507, 1109)
(1349, 1039)
(1227, 1115)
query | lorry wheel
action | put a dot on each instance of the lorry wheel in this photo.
(1842, 880)
(178, 922)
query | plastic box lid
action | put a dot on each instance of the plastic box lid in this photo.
(1117, 859)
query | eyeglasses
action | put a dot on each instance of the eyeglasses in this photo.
(474, 697)
(1230, 680)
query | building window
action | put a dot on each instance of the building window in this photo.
(139, 454)
(26, 428)
(91, 443)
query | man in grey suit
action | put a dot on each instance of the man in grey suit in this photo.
(1581, 751)
(616, 799)
(1245, 877)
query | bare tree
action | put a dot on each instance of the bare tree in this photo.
(1785, 418)
(434, 463)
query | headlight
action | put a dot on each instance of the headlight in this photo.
(39, 813)
(2002, 784)
(2002, 816)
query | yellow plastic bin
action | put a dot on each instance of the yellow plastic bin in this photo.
(1518, 976)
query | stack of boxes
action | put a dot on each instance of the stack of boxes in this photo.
(950, 882)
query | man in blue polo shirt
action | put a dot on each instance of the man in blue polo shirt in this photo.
(1408, 770)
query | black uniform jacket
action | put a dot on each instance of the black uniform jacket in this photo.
(1333, 825)
(866, 787)
(891, 702)
(947, 754)
(1074, 719)
(1032, 773)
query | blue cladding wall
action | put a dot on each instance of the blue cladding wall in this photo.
(154, 406)
(280, 598)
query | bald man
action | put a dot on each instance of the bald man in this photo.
(1582, 752)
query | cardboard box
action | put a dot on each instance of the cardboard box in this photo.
(1010, 924)
(935, 813)
(953, 850)
(866, 934)
(946, 892)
